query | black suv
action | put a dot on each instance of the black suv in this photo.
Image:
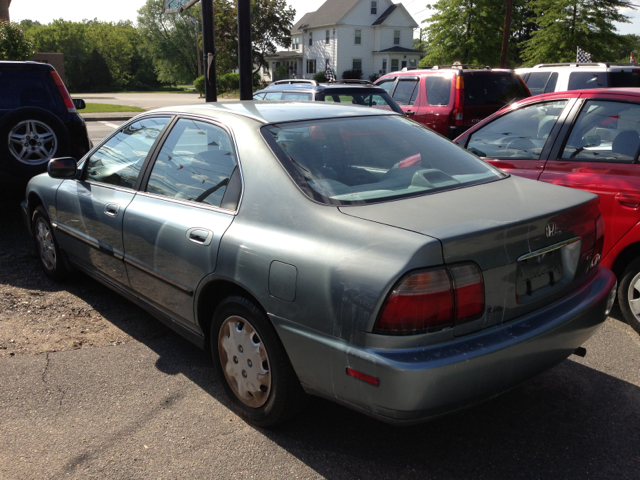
(38, 119)
(351, 92)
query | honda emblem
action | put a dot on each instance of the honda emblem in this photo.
(551, 229)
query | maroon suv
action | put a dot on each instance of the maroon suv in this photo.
(452, 98)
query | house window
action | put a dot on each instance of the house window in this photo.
(310, 38)
(295, 42)
(394, 64)
(374, 8)
(358, 37)
(326, 37)
(396, 37)
(357, 64)
(311, 66)
(384, 66)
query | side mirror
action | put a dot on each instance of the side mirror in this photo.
(64, 167)
(79, 104)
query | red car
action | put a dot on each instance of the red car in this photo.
(452, 98)
(586, 139)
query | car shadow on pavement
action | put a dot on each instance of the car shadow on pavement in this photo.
(570, 422)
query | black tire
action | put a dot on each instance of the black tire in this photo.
(37, 155)
(280, 396)
(629, 294)
(47, 248)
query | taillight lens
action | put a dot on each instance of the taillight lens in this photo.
(458, 106)
(66, 98)
(432, 300)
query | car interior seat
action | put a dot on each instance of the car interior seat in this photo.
(626, 144)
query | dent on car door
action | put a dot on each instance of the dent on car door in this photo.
(91, 209)
(517, 142)
(173, 227)
(600, 155)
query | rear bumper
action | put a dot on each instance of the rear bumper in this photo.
(420, 383)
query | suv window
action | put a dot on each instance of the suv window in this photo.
(406, 91)
(582, 80)
(379, 100)
(273, 96)
(119, 160)
(386, 84)
(301, 97)
(492, 88)
(541, 82)
(605, 131)
(27, 87)
(624, 79)
(438, 89)
(518, 134)
(195, 163)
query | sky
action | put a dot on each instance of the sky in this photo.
(45, 11)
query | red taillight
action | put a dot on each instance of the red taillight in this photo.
(66, 98)
(458, 105)
(433, 300)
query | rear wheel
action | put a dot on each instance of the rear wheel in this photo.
(629, 294)
(252, 364)
(46, 246)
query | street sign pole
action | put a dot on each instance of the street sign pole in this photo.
(209, 52)
(244, 49)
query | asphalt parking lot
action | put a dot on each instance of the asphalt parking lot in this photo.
(149, 406)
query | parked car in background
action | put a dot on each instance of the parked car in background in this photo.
(38, 119)
(349, 92)
(588, 140)
(346, 252)
(559, 77)
(451, 98)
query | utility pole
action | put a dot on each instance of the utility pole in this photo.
(209, 52)
(506, 33)
(244, 50)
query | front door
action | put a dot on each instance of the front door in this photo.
(172, 230)
(405, 94)
(90, 210)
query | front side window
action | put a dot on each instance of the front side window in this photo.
(406, 92)
(357, 64)
(386, 84)
(396, 37)
(350, 161)
(374, 7)
(521, 133)
(358, 37)
(311, 66)
(582, 80)
(195, 163)
(605, 131)
(118, 162)
(438, 89)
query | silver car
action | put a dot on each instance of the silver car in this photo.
(341, 251)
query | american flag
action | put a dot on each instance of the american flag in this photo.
(329, 74)
(582, 56)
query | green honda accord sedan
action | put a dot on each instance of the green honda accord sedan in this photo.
(332, 250)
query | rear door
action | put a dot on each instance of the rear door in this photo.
(435, 112)
(518, 141)
(600, 155)
(173, 227)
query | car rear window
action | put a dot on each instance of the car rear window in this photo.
(482, 88)
(625, 79)
(582, 80)
(28, 87)
(347, 161)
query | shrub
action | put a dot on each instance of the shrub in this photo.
(13, 44)
(199, 85)
(352, 75)
(229, 81)
(320, 77)
(373, 77)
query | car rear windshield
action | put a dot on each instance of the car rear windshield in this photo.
(625, 79)
(347, 161)
(484, 88)
(28, 87)
(377, 98)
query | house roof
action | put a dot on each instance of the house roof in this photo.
(330, 13)
(385, 15)
(397, 49)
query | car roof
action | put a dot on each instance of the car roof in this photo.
(277, 111)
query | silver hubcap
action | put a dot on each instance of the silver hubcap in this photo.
(32, 142)
(245, 361)
(45, 244)
(633, 294)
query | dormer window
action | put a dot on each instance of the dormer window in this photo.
(374, 8)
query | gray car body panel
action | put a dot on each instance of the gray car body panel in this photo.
(322, 274)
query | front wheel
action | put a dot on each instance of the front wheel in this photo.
(46, 246)
(629, 294)
(252, 364)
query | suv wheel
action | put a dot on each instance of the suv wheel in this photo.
(29, 138)
(629, 294)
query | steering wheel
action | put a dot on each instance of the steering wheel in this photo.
(521, 145)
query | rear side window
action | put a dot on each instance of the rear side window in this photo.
(300, 97)
(24, 87)
(537, 81)
(625, 79)
(582, 80)
(551, 84)
(492, 88)
(438, 90)
(273, 96)
(406, 92)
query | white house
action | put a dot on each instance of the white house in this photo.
(374, 36)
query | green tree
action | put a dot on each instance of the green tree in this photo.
(565, 25)
(13, 44)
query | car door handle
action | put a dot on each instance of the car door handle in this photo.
(201, 236)
(410, 112)
(627, 200)
(111, 209)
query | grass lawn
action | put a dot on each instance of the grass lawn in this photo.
(105, 107)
